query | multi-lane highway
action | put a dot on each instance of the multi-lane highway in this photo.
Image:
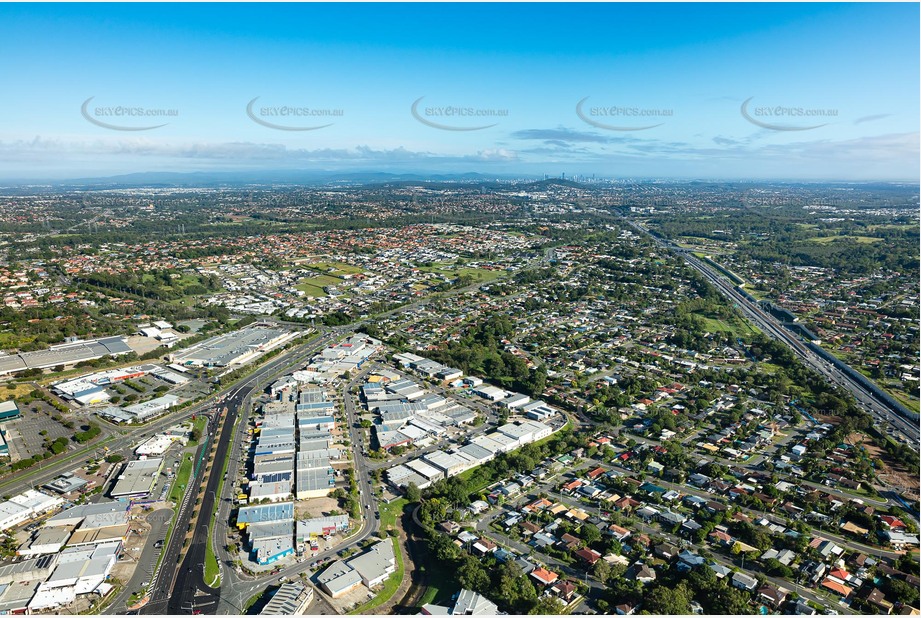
(774, 329)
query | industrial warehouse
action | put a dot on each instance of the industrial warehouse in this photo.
(441, 464)
(235, 348)
(70, 555)
(65, 354)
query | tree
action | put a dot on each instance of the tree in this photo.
(668, 601)
(590, 534)
(601, 571)
(413, 493)
(547, 605)
(902, 591)
(472, 575)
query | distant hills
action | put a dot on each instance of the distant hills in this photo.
(262, 177)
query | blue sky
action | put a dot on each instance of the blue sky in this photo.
(832, 89)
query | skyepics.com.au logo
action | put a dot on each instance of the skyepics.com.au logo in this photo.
(454, 117)
(622, 118)
(772, 116)
(278, 116)
(124, 117)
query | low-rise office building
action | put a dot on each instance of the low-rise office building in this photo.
(137, 478)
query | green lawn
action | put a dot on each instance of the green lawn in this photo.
(311, 290)
(252, 601)
(199, 423)
(256, 598)
(476, 274)
(390, 512)
(737, 327)
(861, 240)
(212, 570)
(313, 286)
(908, 402)
(441, 583)
(390, 586)
(177, 490)
(340, 268)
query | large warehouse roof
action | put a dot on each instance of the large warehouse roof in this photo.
(225, 349)
(64, 354)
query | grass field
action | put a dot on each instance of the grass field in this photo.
(449, 270)
(199, 423)
(440, 583)
(862, 240)
(339, 268)
(18, 391)
(390, 512)
(212, 570)
(739, 328)
(908, 402)
(177, 490)
(313, 286)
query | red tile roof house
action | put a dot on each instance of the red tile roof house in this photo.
(626, 504)
(595, 473)
(894, 523)
(589, 556)
(544, 577)
(721, 538)
(641, 540)
(618, 532)
(840, 589)
(572, 485)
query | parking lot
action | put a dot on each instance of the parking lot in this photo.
(24, 435)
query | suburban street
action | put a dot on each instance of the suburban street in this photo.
(482, 526)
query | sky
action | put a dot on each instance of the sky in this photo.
(717, 91)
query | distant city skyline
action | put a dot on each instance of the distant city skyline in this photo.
(719, 91)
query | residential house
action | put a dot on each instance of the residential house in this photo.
(544, 577)
(878, 600)
(665, 550)
(588, 556)
(772, 595)
(643, 573)
(565, 590)
(743, 581)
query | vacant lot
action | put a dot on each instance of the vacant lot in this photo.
(313, 286)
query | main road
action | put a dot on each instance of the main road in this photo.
(180, 587)
(236, 589)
